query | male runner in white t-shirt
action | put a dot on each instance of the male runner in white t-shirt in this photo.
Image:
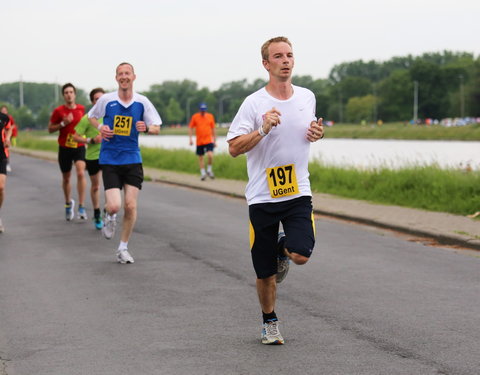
(274, 127)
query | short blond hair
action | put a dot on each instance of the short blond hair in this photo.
(124, 63)
(278, 39)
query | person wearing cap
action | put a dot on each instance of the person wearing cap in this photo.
(204, 125)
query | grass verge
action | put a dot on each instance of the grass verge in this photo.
(425, 187)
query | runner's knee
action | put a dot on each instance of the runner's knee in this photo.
(297, 258)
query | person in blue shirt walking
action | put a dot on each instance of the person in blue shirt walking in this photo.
(125, 114)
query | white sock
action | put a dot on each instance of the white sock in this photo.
(209, 168)
(123, 246)
(202, 171)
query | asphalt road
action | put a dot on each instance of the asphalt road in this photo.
(366, 303)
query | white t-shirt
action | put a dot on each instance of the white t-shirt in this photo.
(286, 146)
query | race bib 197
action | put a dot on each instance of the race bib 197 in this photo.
(122, 125)
(282, 181)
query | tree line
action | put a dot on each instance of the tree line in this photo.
(442, 85)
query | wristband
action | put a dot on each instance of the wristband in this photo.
(62, 124)
(261, 132)
(89, 140)
(99, 127)
(146, 129)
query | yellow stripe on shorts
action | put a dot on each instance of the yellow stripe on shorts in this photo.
(251, 234)
(313, 224)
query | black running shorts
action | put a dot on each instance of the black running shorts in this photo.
(296, 216)
(3, 166)
(92, 167)
(202, 149)
(67, 156)
(115, 176)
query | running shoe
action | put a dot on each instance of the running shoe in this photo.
(82, 213)
(98, 222)
(109, 223)
(2, 228)
(203, 177)
(283, 262)
(124, 257)
(211, 175)
(70, 210)
(271, 334)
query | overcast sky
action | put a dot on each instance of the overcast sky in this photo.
(213, 42)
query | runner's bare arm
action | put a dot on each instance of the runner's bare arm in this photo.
(243, 143)
(147, 129)
(246, 142)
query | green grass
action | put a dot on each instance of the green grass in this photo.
(404, 131)
(425, 187)
(386, 131)
(32, 140)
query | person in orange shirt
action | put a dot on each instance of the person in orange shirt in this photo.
(204, 124)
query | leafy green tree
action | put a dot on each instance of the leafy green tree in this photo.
(448, 82)
(173, 112)
(472, 90)
(23, 117)
(396, 97)
(360, 109)
(43, 117)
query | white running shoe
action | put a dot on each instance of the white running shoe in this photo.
(124, 257)
(211, 175)
(70, 210)
(2, 228)
(283, 262)
(271, 334)
(109, 223)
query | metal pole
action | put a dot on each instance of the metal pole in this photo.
(462, 98)
(21, 91)
(415, 102)
(220, 107)
(340, 109)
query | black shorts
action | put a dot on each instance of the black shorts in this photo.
(202, 149)
(296, 216)
(92, 167)
(3, 166)
(67, 156)
(115, 176)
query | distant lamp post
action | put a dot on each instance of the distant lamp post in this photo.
(415, 102)
(21, 92)
(462, 97)
(220, 107)
(340, 106)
